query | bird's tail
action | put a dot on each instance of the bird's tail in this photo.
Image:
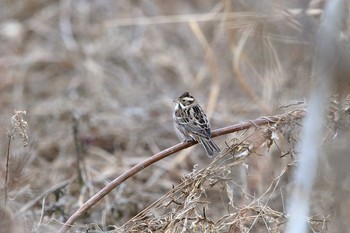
(209, 146)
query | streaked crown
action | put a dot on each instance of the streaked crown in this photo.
(186, 99)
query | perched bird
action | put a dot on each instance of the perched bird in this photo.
(190, 122)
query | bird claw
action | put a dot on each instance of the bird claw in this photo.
(188, 140)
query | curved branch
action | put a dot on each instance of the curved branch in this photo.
(171, 150)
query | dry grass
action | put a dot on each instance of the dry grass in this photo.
(96, 79)
(191, 206)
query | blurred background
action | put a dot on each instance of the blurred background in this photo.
(110, 70)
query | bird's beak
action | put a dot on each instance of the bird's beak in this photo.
(175, 100)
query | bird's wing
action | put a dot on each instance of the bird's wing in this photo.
(196, 122)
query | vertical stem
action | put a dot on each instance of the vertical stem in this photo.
(7, 168)
(80, 161)
(325, 58)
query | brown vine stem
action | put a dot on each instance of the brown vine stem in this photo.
(171, 150)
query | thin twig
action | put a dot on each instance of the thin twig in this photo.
(205, 17)
(169, 151)
(7, 168)
(41, 215)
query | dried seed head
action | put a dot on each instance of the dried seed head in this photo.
(19, 127)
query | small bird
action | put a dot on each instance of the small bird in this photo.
(190, 122)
